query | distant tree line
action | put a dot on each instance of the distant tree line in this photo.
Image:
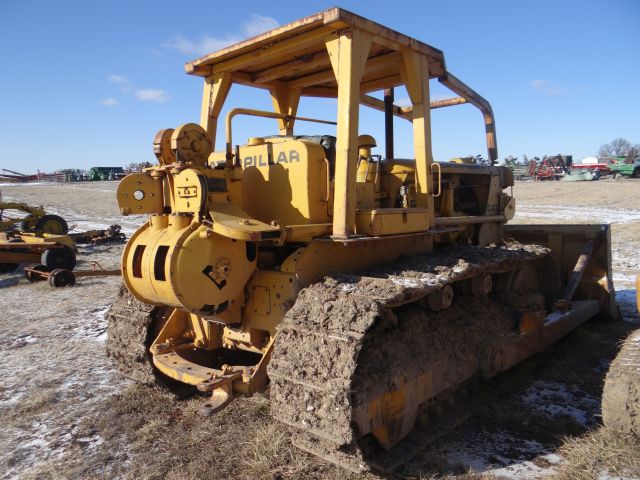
(619, 147)
(137, 166)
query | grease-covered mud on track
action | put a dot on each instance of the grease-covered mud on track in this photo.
(68, 414)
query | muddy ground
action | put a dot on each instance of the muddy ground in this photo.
(67, 414)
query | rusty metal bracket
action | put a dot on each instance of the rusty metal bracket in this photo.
(564, 304)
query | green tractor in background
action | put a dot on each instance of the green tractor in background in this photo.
(624, 166)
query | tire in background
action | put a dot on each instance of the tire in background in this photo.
(52, 224)
(60, 257)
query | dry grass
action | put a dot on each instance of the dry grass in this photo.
(168, 439)
(39, 402)
(601, 451)
(270, 454)
(148, 433)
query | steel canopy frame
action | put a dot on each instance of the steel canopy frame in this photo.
(338, 54)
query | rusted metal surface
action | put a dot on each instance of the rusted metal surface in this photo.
(97, 270)
(448, 102)
(569, 243)
(379, 105)
(57, 278)
(549, 168)
(112, 234)
(578, 270)
(405, 112)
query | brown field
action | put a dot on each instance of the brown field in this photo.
(67, 414)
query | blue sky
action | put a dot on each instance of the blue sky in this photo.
(89, 83)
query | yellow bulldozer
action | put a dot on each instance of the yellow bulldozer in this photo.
(360, 289)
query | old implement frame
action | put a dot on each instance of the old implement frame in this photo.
(56, 251)
(60, 277)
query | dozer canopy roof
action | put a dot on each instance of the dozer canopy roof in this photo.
(295, 55)
(294, 51)
(338, 54)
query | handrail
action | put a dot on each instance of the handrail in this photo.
(326, 200)
(474, 98)
(259, 113)
(435, 164)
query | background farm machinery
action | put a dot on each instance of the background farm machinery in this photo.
(29, 235)
(29, 219)
(624, 167)
(550, 167)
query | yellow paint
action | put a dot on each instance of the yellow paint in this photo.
(35, 238)
(285, 100)
(391, 221)
(638, 293)
(415, 74)
(348, 52)
(180, 265)
(139, 193)
(285, 182)
(325, 257)
(216, 89)
(391, 416)
(7, 222)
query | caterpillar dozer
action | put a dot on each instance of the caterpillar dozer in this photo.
(361, 289)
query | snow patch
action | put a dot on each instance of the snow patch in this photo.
(503, 456)
(405, 282)
(605, 475)
(584, 214)
(95, 327)
(526, 469)
(558, 399)
(47, 443)
(624, 278)
(17, 341)
(626, 301)
(347, 287)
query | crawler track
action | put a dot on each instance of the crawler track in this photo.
(130, 326)
(350, 340)
(621, 395)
